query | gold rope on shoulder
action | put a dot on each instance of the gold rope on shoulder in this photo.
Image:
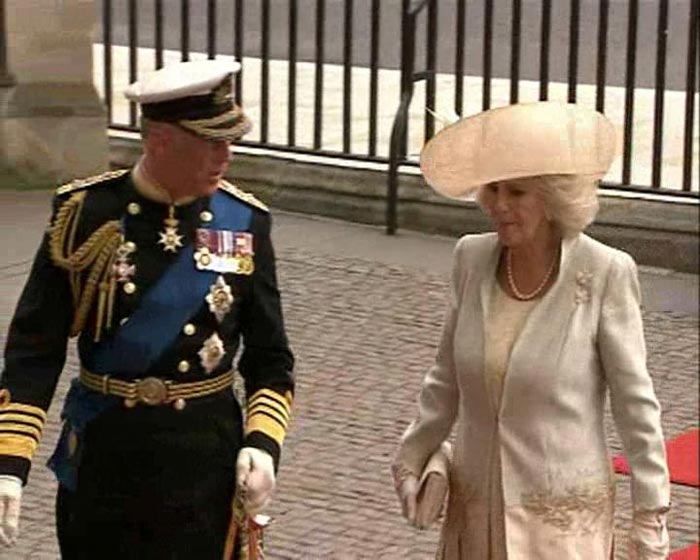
(96, 253)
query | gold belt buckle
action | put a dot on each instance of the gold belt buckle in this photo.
(151, 391)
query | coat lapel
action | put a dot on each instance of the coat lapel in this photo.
(548, 320)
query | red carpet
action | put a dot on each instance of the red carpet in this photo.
(690, 553)
(682, 454)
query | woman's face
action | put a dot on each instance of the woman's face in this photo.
(517, 211)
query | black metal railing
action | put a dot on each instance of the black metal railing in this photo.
(397, 147)
(312, 66)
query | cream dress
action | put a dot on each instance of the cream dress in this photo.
(506, 320)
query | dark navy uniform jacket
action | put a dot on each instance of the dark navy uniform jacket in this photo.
(38, 335)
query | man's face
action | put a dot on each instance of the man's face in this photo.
(190, 164)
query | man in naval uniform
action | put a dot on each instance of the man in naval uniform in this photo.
(159, 271)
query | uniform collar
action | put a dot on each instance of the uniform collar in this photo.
(148, 188)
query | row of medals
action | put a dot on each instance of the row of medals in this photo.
(220, 297)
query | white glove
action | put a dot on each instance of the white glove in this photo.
(10, 503)
(255, 478)
(648, 539)
(408, 493)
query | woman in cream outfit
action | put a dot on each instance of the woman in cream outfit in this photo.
(542, 322)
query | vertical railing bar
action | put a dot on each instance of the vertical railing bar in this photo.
(515, 51)
(239, 20)
(690, 84)
(601, 64)
(265, 71)
(574, 21)
(431, 59)
(133, 55)
(185, 30)
(661, 39)
(487, 54)
(459, 56)
(211, 29)
(374, 76)
(318, 85)
(347, 75)
(107, 55)
(633, 14)
(397, 143)
(292, 71)
(159, 32)
(544, 48)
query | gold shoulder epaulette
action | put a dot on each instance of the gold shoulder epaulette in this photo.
(242, 195)
(79, 184)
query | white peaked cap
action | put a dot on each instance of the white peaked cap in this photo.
(185, 79)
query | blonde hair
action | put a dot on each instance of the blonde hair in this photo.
(570, 201)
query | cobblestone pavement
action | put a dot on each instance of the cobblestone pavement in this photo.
(364, 333)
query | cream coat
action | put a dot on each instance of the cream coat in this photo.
(583, 338)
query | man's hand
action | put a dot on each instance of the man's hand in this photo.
(408, 493)
(255, 478)
(10, 502)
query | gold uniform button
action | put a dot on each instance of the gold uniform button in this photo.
(129, 288)
(134, 208)
(183, 366)
(123, 320)
(206, 216)
(189, 329)
(130, 246)
(179, 404)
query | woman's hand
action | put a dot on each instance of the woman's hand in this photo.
(407, 490)
(648, 539)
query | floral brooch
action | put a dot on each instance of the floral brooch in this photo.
(583, 286)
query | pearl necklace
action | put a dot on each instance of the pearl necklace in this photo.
(511, 281)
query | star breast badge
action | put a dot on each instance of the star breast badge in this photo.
(211, 353)
(220, 298)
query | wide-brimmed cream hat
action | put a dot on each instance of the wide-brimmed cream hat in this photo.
(523, 140)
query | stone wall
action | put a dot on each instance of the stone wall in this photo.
(52, 123)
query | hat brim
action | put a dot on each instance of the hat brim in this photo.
(231, 125)
(523, 140)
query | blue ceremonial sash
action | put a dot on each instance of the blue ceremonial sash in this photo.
(140, 342)
(162, 312)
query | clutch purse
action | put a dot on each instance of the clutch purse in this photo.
(433, 486)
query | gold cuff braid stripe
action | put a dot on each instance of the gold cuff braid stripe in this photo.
(266, 425)
(271, 407)
(262, 409)
(22, 418)
(12, 427)
(17, 445)
(283, 401)
(274, 404)
(24, 409)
